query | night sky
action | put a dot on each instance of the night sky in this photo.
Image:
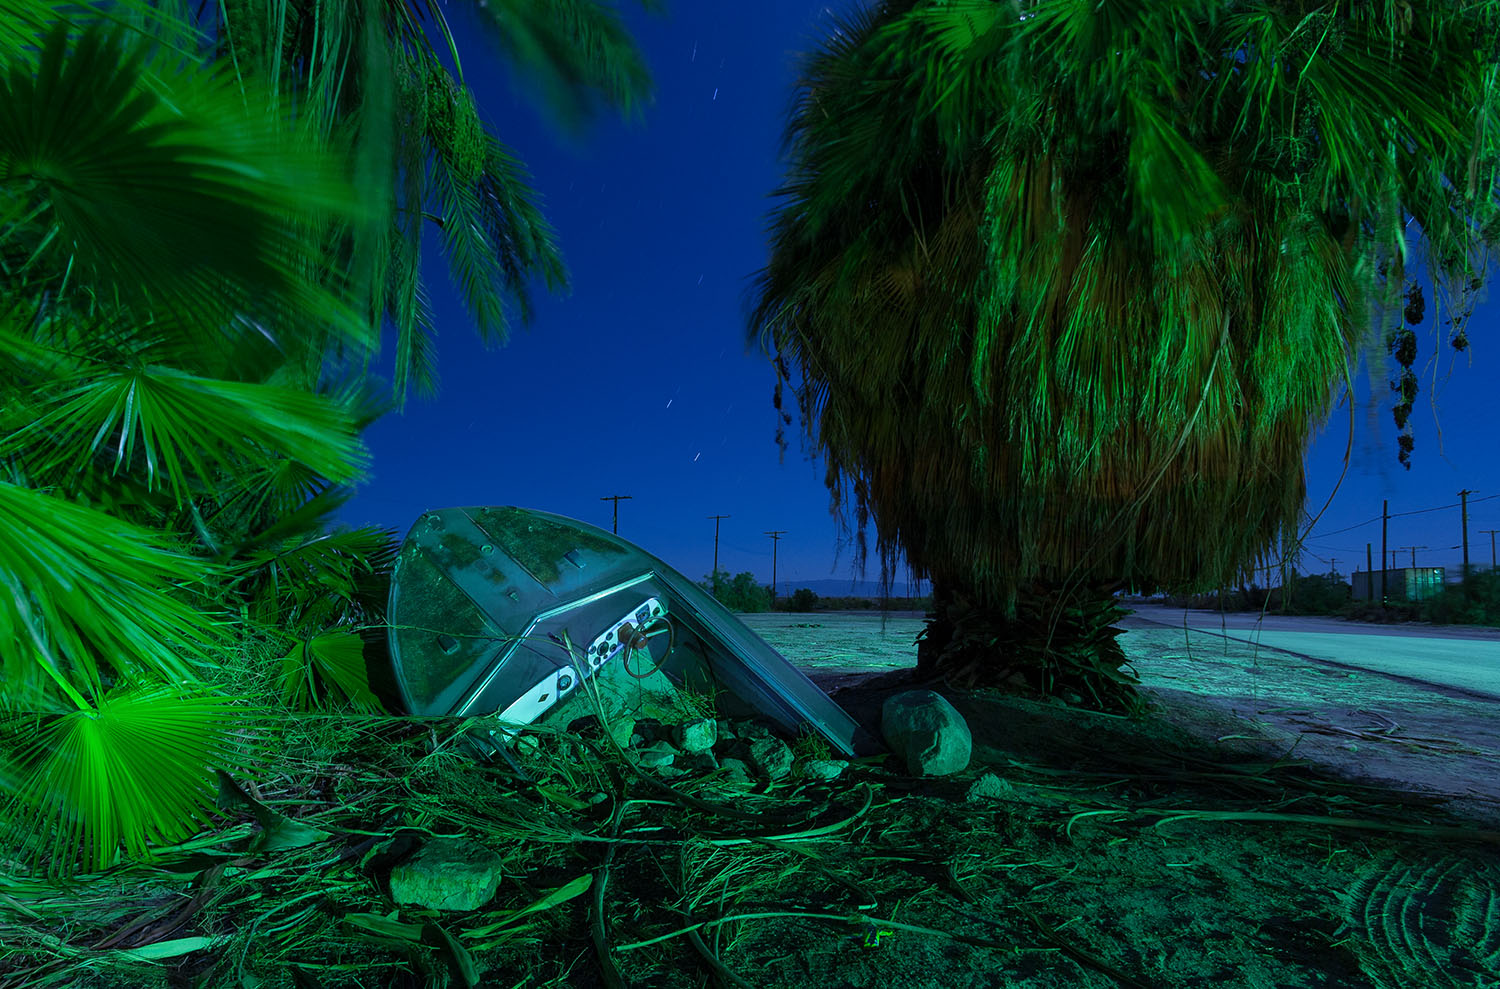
(639, 382)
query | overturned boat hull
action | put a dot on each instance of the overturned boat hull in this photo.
(507, 611)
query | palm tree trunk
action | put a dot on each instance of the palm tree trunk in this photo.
(1057, 640)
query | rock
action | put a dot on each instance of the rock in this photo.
(447, 874)
(927, 732)
(749, 730)
(698, 762)
(655, 755)
(770, 756)
(622, 730)
(734, 771)
(698, 735)
(823, 769)
(989, 787)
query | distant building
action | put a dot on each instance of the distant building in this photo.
(1405, 584)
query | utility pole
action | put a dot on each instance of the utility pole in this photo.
(1333, 565)
(1414, 554)
(775, 539)
(1492, 545)
(716, 519)
(1463, 500)
(1385, 518)
(616, 499)
(1369, 574)
(1393, 559)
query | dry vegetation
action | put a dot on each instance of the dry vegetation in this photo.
(1129, 855)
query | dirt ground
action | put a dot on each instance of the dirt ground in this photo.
(1272, 822)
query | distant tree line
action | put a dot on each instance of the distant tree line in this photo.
(1475, 601)
(741, 593)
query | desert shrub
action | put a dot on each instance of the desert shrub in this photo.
(1360, 610)
(1224, 599)
(738, 593)
(1316, 594)
(803, 599)
(1476, 601)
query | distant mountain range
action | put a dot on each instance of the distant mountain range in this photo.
(848, 588)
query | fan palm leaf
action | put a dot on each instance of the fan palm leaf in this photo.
(154, 216)
(329, 666)
(131, 769)
(316, 578)
(188, 427)
(173, 194)
(88, 596)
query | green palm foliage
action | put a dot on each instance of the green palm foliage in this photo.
(1066, 284)
(203, 224)
(155, 250)
(368, 67)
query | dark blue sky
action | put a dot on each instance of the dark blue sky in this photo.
(638, 382)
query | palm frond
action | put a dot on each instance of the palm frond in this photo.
(188, 428)
(575, 52)
(326, 670)
(317, 578)
(133, 770)
(165, 185)
(472, 257)
(88, 595)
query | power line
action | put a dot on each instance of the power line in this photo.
(1397, 515)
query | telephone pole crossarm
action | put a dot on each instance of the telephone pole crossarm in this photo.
(616, 499)
(1414, 554)
(775, 535)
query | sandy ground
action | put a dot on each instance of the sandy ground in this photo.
(1367, 725)
(1232, 886)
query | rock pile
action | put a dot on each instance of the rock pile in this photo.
(743, 751)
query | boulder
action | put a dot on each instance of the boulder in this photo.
(447, 874)
(655, 755)
(926, 732)
(770, 756)
(698, 762)
(989, 787)
(734, 771)
(823, 769)
(697, 735)
(622, 729)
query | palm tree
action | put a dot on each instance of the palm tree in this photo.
(149, 218)
(185, 303)
(1066, 284)
(370, 67)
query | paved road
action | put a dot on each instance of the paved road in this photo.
(1465, 658)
